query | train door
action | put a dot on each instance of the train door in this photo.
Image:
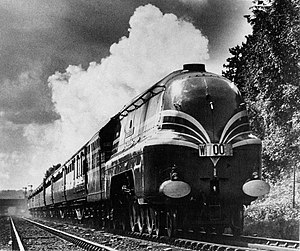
(74, 174)
(93, 169)
(80, 174)
(84, 168)
(44, 192)
(64, 170)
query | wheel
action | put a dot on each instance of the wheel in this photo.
(156, 216)
(171, 222)
(106, 216)
(219, 230)
(141, 219)
(151, 220)
(51, 213)
(237, 220)
(79, 213)
(131, 219)
(62, 213)
(114, 219)
(133, 216)
(124, 221)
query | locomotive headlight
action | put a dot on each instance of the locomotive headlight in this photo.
(175, 189)
(256, 188)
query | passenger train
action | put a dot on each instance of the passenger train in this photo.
(179, 156)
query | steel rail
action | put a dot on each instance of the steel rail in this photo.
(200, 245)
(272, 248)
(78, 241)
(16, 236)
(272, 244)
(191, 244)
(239, 244)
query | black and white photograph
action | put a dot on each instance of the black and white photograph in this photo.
(149, 125)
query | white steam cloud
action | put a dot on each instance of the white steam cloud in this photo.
(157, 44)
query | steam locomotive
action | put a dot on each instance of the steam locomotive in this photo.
(179, 156)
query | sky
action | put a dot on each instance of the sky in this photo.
(67, 66)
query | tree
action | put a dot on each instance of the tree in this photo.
(266, 69)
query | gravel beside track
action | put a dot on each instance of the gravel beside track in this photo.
(37, 239)
(5, 238)
(112, 240)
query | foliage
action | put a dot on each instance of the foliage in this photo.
(266, 68)
(275, 215)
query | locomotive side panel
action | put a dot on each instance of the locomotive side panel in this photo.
(136, 127)
(147, 173)
(132, 126)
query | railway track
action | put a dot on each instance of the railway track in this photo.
(53, 234)
(112, 241)
(249, 241)
(231, 243)
(30, 235)
(257, 243)
(32, 238)
(273, 244)
(17, 244)
(210, 242)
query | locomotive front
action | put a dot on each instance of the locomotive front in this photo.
(204, 158)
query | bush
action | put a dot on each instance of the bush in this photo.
(274, 215)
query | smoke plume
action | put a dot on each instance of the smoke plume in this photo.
(156, 45)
